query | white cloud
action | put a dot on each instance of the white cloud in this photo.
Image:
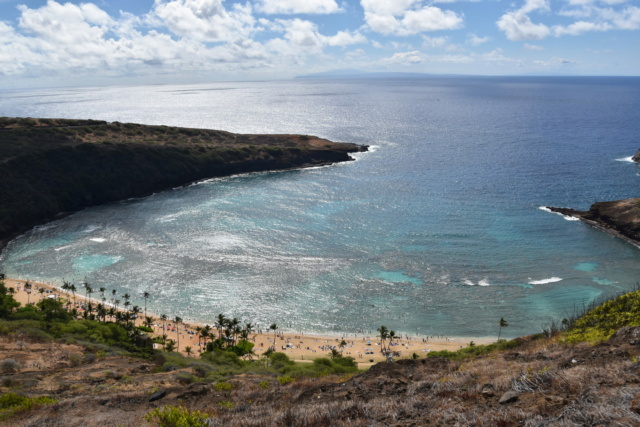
(297, 6)
(627, 19)
(595, 18)
(203, 20)
(474, 40)
(345, 38)
(580, 27)
(412, 57)
(305, 33)
(407, 17)
(83, 38)
(435, 42)
(439, 43)
(518, 26)
(555, 62)
(533, 47)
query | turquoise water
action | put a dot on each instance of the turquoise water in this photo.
(436, 230)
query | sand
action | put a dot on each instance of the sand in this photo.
(365, 349)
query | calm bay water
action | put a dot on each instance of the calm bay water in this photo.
(436, 230)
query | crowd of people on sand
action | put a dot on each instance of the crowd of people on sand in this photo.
(361, 345)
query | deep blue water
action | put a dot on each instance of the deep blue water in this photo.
(436, 230)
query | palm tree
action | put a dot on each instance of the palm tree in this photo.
(187, 350)
(178, 321)
(392, 336)
(65, 287)
(384, 334)
(113, 294)
(334, 354)
(126, 300)
(205, 332)
(274, 327)
(148, 322)
(146, 296)
(73, 290)
(163, 317)
(503, 324)
(135, 310)
(249, 328)
(102, 312)
(41, 290)
(221, 323)
(27, 288)
(88, 291)
(102, 290)
(342, 344)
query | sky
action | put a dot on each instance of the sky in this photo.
(52, 43)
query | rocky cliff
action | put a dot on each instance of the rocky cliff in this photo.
(50, 166)
(620, 218)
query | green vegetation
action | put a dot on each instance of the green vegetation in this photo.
(177, 416)
(12, 404)
(603, 320)
(474, 350)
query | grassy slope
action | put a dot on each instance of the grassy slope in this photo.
(550, 381)
(51, 166)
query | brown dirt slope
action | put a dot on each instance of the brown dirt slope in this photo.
(542, 383)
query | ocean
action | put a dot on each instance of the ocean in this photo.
(438, 229)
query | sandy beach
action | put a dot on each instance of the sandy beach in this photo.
(365, 349)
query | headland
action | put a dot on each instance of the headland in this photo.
(51, 167)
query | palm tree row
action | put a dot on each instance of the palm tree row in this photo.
(230, 331)
(100, 311)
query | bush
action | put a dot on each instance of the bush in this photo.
(223, 386)
(601, 322)
(475, 350)
(286, 379)
(12, 403)
(9, 366)
(177, 416)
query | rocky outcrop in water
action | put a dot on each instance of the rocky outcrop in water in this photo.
(636, 157)
(49, 167)
(619, 218)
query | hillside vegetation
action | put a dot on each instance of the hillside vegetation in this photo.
(53, 166)
(61, 371)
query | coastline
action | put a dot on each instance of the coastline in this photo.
(614, 223)
(299, 346)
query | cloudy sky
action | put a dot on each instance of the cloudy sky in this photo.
(102, 41)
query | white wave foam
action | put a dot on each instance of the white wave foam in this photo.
(98, 239)
(566, 217)
(545, 281)
(91, 228)
(483, 282)
(62, 247)
(626, 159)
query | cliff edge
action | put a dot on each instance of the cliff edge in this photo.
(619, 218)
(49, 167)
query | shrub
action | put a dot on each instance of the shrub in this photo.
(9, 366)
(177, 416)
(12, 403)
(223, 386)
(603, 321)
(185, 378)
(286, 379)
